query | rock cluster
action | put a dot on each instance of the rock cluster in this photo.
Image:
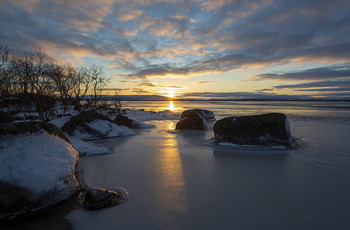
(266, 129)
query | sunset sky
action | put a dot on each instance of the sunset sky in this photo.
(200, 48)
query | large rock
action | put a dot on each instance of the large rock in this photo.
(37, 168)
(193, 121)
(206, 114)
(93, 125)
(265, 129)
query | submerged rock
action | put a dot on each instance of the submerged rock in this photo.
(265, 129)
(206, 114)
(97, 198)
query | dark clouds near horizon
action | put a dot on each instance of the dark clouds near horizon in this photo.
(142, 39)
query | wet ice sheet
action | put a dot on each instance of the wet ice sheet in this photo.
(175, 181)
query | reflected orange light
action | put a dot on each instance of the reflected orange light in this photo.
(171, 106)
(172, 125)
(172, 195)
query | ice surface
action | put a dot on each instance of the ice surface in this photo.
(175, 180)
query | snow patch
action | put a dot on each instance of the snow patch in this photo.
(60, 121)
(88, 148)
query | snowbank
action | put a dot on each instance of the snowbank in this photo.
(60, 121)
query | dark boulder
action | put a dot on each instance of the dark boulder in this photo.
(97, 198)
(265, 129)
(206, 114)
(193, 121)
(125, 121)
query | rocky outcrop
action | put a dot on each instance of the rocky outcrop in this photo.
(206, 114)
(81, 120)
(93, 125)
(38, 168)
(265, 129)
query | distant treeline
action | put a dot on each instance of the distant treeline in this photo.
(32, 79)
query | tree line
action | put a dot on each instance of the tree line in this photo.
(32, 79)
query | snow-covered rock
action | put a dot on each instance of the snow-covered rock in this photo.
(37, 165)
(93, 125)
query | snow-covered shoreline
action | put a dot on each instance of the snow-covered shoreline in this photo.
(42, 165)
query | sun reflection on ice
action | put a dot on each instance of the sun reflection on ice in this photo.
(172, 198)
(171, 106)
(172, 126)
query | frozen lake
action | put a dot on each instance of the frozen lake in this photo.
(178, 180)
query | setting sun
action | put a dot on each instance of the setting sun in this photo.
(171, 94)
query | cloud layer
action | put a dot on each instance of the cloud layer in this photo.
(142, 39)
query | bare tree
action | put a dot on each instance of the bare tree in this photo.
(81, 83)
(98, 82)
(62, 77)
(5, 80)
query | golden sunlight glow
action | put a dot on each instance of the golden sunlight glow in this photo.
(171, 94)
(172, 195)
(171, 106)
(172, 125)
